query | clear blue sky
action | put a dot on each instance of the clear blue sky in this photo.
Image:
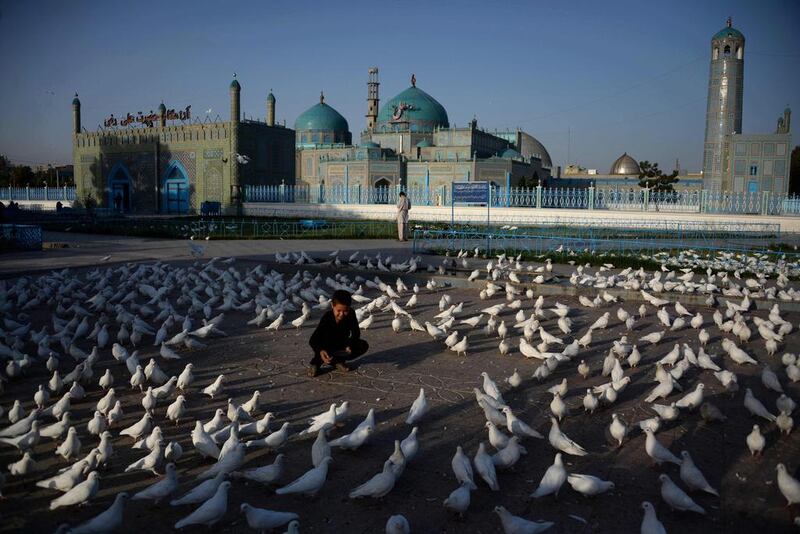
(621, 75)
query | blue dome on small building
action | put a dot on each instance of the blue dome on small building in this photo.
(76, 101)
(510, 153)
(412, 110)
(424, 143)
(321, 124)
(370, 144)
(728, 33)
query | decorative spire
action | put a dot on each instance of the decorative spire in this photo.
(321, 97)
(413, 81)
(729, 22)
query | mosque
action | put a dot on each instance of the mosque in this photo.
(409, 142)
(168, 162)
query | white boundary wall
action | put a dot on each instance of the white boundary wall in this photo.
(505, 215)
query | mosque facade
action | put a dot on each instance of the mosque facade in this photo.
(409, 142)
(167, 162)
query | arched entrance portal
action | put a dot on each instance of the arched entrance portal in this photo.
(382, 191)
(120, 185)
(175, 189)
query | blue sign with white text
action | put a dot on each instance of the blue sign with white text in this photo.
(471, 192)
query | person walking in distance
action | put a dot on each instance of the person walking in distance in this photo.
(403, 205)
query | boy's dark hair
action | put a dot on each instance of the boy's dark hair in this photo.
(402, 193)
(340, 296)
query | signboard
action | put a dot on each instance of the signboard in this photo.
(470, 192)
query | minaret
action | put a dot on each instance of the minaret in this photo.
(162, 115)
(372, 98)
(76, 115)
(236, 90)
(724, 106)
(270, 109)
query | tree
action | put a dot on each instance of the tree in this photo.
(5, 171)
(22, 175)
(654, 179)
(794, 172)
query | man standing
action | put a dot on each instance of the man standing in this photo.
(403, 205)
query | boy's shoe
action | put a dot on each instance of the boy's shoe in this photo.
(343, 367)
(313, 370)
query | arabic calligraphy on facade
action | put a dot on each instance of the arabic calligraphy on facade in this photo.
(150, 119)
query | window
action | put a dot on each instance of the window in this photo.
(716, 52)
(753, 170)
(767, 170)
(755, 149)
(769, 149)
(779, 168)
(741, 149)
(780, 149)
(727, 51)
(738, 166)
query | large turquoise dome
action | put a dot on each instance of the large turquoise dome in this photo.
(728, 33)
(412, 110)
(321, 117)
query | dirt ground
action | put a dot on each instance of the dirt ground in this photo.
(388, 379)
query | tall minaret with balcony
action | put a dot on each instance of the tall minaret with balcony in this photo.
(372, 98)
(724, 106)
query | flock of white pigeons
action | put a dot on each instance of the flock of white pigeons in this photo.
(108, 314)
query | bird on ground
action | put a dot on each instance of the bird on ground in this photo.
(211, 511)
(267, 474)
(459, 499)
(263, 520)
(162, 489)
(201, 492)
(80, 493)
(418, 409)
(788, 485)
(484, 465)
(110, 520)
(560, 441)
(676, 498)
(513, 524)
(693, 477)
(553, 479)
(588, 485)
(310, 482)
(462, 468)
(658, 452)
(379, 485)
(650, 522)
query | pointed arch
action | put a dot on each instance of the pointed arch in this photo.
(175, 188)
(119, 187)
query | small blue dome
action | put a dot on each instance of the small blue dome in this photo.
(75, 101)
(235, 83)
(510, 153)
(728, 32)
(370, 144)
(162, 107)
(270, 97)
(321, 117)
(424, 143)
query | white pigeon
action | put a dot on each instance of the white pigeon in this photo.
(215, 388)
(462, 468)
(788, 485)
(589, 485)
(396, 524)
(201, 492)
(418, 409)
(458, 500)
(513, 524)
(210, 511)
(310, 482)
(553, 479)
(650, 522)
(484, 465)
(693, 477)
(110, 520)
(162, 489)
(80, 493)
(261, 519)
(755, 407)
(267, 474)
(658, 452)
(560, 441)
(517, 426)
(379, 485)
(676, 498)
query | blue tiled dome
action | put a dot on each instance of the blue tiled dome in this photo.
(728, 32)
(510, 153)
(424, 143)
(75, 101)
(413, 109)
(321, 117)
